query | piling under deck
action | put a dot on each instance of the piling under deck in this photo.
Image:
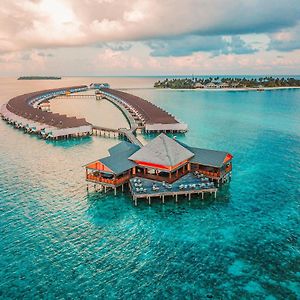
(187, 185)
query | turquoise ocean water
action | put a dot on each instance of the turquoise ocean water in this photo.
(57, 241)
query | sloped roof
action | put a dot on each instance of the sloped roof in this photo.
(118, 160)
(123, 147)
(207, 157)
(163, 151)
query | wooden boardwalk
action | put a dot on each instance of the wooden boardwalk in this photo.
(76, 96)
(121, 132)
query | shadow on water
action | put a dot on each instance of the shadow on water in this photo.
(150, 136)
(69, 143)
(104, 209)
(107, 208)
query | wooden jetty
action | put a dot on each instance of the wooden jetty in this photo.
(123, 133)
(76, 96)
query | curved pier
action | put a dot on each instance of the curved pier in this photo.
(145, 114)
(25, 111)
(30, 112)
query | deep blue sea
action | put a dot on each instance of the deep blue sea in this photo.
(57, 241)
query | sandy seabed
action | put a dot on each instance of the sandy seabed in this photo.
(97, 112)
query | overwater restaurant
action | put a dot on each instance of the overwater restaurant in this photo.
(163, 159)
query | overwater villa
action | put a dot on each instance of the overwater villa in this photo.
(99, 85)
(163, 167)
(32, 114)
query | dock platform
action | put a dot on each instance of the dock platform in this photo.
(143, 188)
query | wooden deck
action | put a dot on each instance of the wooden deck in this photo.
(108, 182)
(187, 186)
(121, 132)
(76, 96)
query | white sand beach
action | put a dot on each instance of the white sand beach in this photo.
(232, 89)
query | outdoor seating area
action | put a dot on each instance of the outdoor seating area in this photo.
(190, 182)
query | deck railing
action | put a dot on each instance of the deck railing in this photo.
(108, 181)
(214, 175)
(162, 178)
(118, 181)
(228, 169)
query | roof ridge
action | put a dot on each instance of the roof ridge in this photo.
(167, 150)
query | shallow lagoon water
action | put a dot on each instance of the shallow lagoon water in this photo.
(57, 241)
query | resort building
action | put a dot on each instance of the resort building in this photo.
(163, 167)
(199, 85)
(235, 84)
(223, 85)
(211, 85)
(99, 85)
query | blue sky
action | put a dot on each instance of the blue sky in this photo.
(149, 37)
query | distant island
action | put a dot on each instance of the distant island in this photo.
(39, 78)
(227, 83)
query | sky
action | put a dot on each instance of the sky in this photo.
(149, 37)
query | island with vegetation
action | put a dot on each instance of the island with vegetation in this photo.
(39, 78)
(227, 83)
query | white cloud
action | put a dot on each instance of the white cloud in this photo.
(84, 36)
(58, 23)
